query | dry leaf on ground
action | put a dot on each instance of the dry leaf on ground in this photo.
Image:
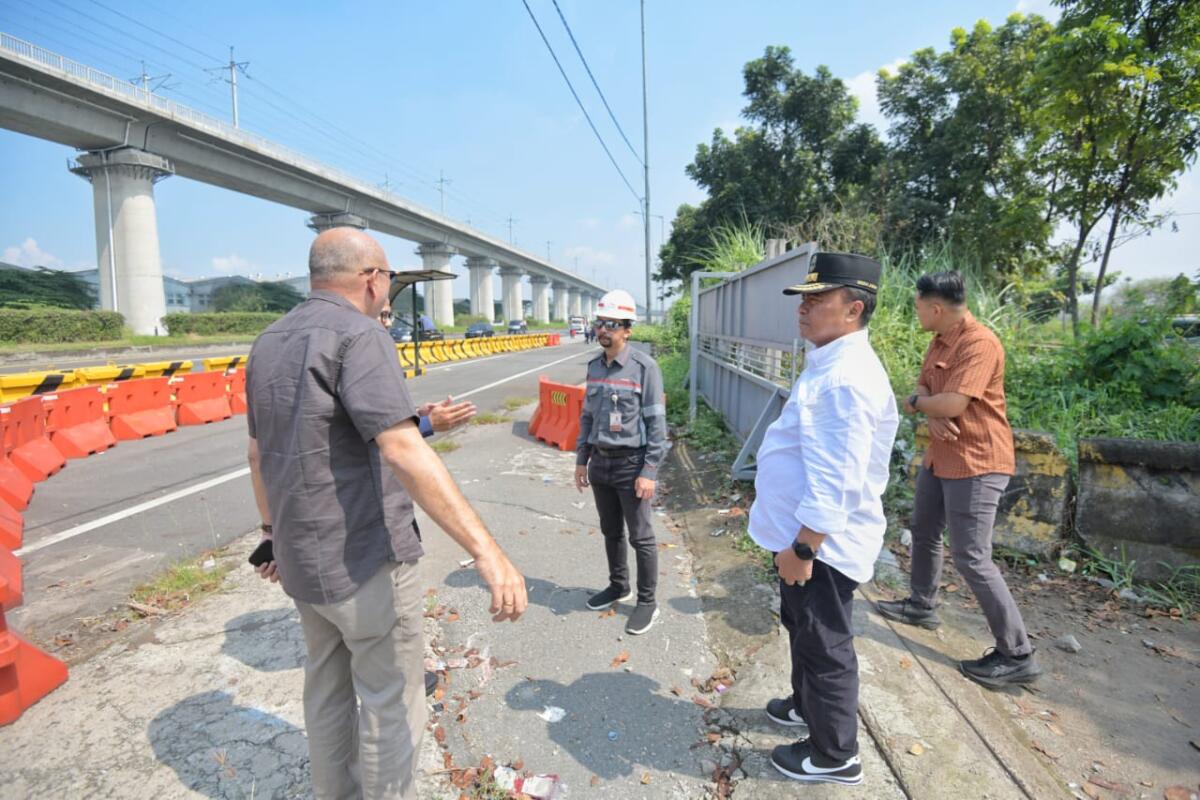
(701, 701)
(917, 748)
(905, 662)
(1041, 748)
(621, 658)
(645, 779)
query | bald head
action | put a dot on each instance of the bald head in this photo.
(339, 253)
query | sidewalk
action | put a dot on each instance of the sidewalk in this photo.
(208, 703)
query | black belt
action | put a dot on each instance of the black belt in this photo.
(619, 452)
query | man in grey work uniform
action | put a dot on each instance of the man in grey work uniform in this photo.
(336, 462)
(622, 443)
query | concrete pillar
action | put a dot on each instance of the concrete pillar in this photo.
(510, 292)
(576, 302)
(320, 223)
(561, 309)
(589, 305)
(127, 254)
(541, 297)
(483, 301)
(439, 295)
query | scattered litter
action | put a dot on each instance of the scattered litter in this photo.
(905, 662)
(916, 749)
(613, 736)
(718, 532)
(208, 564)
(1067, 565)
(1043, 578)
(1131, 596)
(621, 658)
(1069, 643)
(645, 779)
(536, 787)
(580, 504)
(553, 714)
(905, 538)
(466, 562)
(722, 688)
(660, 513)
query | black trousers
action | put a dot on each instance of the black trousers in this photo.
(824, 665)
(612, 480)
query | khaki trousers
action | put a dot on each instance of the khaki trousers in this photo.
(364, 689)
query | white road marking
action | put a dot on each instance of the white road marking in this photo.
(79, 530)
(86, 527)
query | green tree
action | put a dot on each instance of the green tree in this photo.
(800, 151)
(276, 297)
(961, 166)
(43, 287)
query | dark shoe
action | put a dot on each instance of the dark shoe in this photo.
(642, 618)
(801, 761)
(602, 600)
(431, 683)
(909, 613)
(996, 670)
(782, 711)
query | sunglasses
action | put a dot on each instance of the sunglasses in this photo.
(391, 273)
(386, 317)
(608, 324)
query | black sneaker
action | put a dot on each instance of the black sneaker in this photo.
(602, 600)
(996, 670)
(782, 711)
(642, 618)
(801, 761)
(909, 613)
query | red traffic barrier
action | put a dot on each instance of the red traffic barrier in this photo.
(12, 527)
(553, 339)
(77, 422)
(15, 488)
(556, 419)
(26, 442)
(26, 673)
(237, 390)
(10, 577)
(202, 398)
(141, 408)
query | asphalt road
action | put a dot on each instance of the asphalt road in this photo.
(107, 523)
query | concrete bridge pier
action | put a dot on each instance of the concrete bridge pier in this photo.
(541, 297)
(127, 252)
(483, 301)
(575, 300)
(510, 292)
(561, 309)
(319, 223)
(439, 295)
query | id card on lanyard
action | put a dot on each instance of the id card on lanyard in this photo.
(614, 417)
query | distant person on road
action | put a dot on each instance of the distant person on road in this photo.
(336, 462)
(435, 417)
(968, 465)
(822, 470)
(622, 443)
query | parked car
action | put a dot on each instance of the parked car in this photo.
(576, 325)
(518, 326)
(1187, 328)
(432, 335)
(401, 332)
(479, 329)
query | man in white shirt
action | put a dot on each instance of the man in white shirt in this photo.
(822, 470)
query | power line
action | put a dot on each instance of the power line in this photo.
(588, 69)
(579, 102)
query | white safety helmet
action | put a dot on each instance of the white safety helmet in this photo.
(617, 304)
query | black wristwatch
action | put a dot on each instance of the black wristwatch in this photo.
(912, 401)
(265, 528)
(803, 551)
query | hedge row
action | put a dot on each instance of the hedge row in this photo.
(239, 322)
(44, 326)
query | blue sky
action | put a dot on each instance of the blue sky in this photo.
(405, 91)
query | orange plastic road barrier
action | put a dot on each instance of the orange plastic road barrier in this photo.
(26, 673)
(202, 398)
(556, 419)
(141, 408)
(25, 440)
(77, 422)
(10, 576)
(12, 527)
(236, 385)
(15, 488)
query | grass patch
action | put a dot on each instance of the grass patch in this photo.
(129, 341)
(184, 582)
(513, 403)
(490, 418)
(445, 446)
(764, 560)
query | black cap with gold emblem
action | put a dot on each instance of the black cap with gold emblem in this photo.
(831, 270)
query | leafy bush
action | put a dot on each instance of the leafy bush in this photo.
(44, 326)
(251, 297)
(42, 287)
(231, 322)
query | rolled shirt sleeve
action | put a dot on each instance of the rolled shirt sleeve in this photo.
(371, 385)
(654, 417)
(836, 433)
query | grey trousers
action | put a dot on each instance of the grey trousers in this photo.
(967, 506)
(620, 509)
(364, 688)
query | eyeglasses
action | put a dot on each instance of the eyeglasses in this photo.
(391, 273)
(386, 317)
(608, 324)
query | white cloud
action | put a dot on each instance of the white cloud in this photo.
(590, 256)
(862, 86)
(1043, 8)
(29, 254)
(231, 265)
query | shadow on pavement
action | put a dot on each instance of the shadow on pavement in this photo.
(560, 600)
(224, 750)
(270, 640)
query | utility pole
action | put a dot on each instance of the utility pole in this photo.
(646, 162)
(233, 67)
(548, 243)
(510, 229)
(145, 78)
(441, 182)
